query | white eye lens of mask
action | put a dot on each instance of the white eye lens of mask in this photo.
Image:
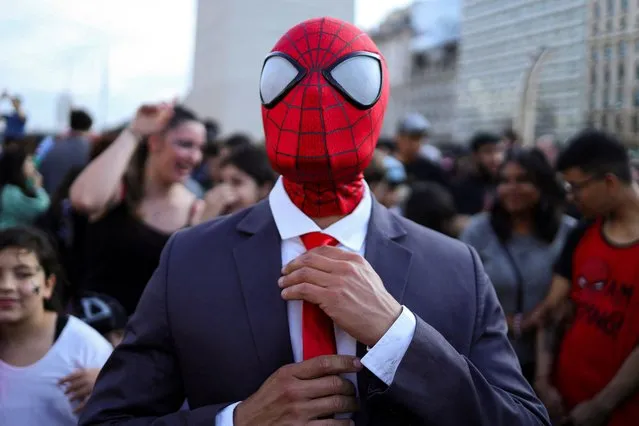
(277, 75)
(360, 78)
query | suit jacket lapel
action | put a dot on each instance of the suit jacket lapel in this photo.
(259, 264)
(391, 261)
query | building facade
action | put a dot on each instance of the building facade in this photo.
(422, 76)
(613, 71)
(232, 39)
(498, 39)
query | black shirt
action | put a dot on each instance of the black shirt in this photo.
(122, 252)
(473, 194)
(424, 170)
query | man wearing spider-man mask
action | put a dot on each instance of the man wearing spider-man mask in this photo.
(317, 306)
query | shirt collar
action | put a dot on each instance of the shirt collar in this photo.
(291, 222)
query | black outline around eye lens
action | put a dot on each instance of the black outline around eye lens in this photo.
(301, 72)
(329, 77)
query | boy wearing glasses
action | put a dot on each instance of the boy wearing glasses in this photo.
(588, 361)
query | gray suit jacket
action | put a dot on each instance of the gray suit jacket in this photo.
(211, 327)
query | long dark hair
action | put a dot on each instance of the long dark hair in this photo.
(134, 178)
(11, 169)
(37, 242)
(548, 211)
(253, 161)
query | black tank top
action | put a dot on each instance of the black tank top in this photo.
(122, 253)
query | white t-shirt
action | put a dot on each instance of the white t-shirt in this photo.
(31, 396)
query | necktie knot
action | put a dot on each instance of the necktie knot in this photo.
(317, 239)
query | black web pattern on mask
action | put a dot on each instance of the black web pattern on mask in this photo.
(321, 196)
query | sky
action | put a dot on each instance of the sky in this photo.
(50, 47)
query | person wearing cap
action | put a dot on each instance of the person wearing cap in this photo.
(104, 313)
(385, 176)
(412, 134)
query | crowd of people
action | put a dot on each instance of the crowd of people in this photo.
(84, 219)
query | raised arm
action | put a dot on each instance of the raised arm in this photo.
(17, 107)
(141, 383)
(100, 182)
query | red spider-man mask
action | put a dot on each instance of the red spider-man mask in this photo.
(324, 90)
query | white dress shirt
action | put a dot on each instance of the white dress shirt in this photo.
(350, 231)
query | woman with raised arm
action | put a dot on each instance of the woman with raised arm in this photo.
(134, 196)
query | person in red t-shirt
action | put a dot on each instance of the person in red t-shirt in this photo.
(591, 376)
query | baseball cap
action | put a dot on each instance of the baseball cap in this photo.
(414, 124)
(394, 170)
(102, 312)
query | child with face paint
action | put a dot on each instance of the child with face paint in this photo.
(48, 361)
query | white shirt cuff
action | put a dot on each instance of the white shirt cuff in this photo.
(225, 417)
(383, 359)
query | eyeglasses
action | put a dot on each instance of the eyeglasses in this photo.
(579, 186)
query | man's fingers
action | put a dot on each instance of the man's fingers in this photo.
(330, 405)
(311, 259)
(305, 291)
(305, 274)
(331, 422)
(327, 365)
(336, 253)
(328, 385)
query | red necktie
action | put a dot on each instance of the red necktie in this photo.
(318, 335)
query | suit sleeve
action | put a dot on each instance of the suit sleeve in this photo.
(485, 388)
(141, 383)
